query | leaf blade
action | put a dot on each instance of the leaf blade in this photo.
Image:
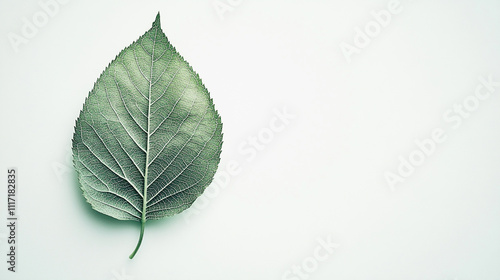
(148, 139)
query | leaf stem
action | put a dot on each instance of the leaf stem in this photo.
(140, 240)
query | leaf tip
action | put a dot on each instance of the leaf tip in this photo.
(157, 20)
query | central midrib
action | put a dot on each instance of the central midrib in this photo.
(145, 196)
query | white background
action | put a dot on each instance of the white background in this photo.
(322, 175)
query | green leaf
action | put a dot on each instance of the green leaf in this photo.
(148, 139)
